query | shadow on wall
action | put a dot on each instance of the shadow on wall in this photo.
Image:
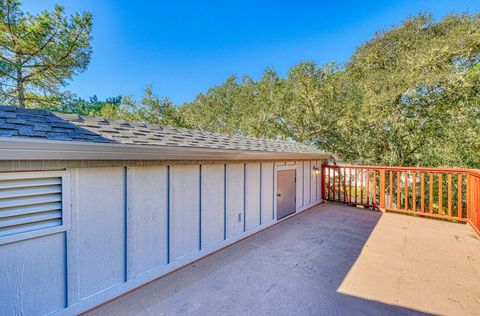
(293, 268)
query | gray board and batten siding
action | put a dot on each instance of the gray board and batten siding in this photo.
(97, 227)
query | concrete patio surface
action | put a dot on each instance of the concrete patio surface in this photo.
(329, 260)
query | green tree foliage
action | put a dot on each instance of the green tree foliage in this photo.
(152, 109)
(416, 84)
(409, 96)
(40, 53)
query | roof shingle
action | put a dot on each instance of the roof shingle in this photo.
(41, 124)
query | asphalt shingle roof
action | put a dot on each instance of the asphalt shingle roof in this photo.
(41, 124)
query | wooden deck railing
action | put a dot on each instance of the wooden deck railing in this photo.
(450, 194)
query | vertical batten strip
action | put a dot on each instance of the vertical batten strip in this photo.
(224, 201)
(244, 197)
(260, 192)
(125, 203)
(200, 207)
(168, 214)
(273, 190)
(303, 183)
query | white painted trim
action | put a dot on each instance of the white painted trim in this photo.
(41, 149)
(122, 288)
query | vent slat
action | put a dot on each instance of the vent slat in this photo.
(30, 204)
(30, 209)
(32, 200)
(30, 218)
(29, 191)
(23, 183)
(12, 230)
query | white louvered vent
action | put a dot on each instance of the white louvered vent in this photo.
(30, 204)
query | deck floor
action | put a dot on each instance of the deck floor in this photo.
(331, 259)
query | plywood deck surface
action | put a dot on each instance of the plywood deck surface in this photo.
(331, 259)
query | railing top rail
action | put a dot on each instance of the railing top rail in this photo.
(420, 169)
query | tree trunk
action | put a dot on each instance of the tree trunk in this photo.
(20, 88)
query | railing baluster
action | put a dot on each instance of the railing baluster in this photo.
(469, 195)
(368, 187)
(414, 191)
(406, 190)
(459, 196)
(361, 185)
(374, 195)
(430, 196)
(350, 185)
(440, 193)
(339, 183)
(422, 192)
(327, 181)
(382, 189)
(356, 184)
(449, 194)
(390, 198)
(398, 190)
(333, 184)
(344, 185)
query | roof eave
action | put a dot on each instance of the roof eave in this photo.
(32, 149)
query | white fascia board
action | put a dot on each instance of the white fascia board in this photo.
(41, 149)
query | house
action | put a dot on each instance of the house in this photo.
(91, 208)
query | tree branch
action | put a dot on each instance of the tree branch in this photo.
(69, 51)
(52, 36)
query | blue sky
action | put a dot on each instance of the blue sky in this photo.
(182, 48)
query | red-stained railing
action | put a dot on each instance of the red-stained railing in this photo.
(451, 194)
(473, 199)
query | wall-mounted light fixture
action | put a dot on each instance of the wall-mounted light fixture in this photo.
(316, 170)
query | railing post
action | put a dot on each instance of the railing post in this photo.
(324, 185)
(469, 196)
(382, 189)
